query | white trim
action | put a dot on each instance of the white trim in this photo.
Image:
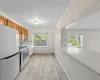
(75, 46)
(41, 46)
(63, 69)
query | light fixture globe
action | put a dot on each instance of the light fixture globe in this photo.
(36, 22)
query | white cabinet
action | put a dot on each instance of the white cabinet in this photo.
(31, 50)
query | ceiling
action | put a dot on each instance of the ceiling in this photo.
(48, 12)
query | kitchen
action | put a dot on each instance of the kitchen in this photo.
(49, 40)
(18, 43)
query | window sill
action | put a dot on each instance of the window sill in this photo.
(41, 46)
(76, 46)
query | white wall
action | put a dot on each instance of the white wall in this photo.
(50, 48)
(75, 8)
(92, 40)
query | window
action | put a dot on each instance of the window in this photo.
(76, 40)
(41, 39)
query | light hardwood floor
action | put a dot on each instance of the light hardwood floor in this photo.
(42, 67)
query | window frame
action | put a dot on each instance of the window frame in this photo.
(81, 43)
(40, 33)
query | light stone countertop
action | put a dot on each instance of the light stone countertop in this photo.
(90, 59)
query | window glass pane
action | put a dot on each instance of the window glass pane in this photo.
(40, 39)
(75, 40)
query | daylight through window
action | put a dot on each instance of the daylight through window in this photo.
(41, 39)
(76, 40)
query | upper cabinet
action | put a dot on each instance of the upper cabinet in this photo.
(26, 34)
(3, 20)
(16, 27)
(10, 23)
(23, 33)
(20, 33)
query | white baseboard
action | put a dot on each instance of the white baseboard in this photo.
(63, 69)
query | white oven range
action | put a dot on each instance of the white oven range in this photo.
(24, 58)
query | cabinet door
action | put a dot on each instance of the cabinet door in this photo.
(16, 26)
(23, 34)
(26, 34)
(10, 24)
(3, 20)
(30, 51)
(20, 33)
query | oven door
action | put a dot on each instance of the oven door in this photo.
(24, 58)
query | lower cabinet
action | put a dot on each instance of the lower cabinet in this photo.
(31, 50)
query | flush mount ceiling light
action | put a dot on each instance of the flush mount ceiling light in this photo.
(36, 22)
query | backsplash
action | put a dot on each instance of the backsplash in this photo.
(25, 42)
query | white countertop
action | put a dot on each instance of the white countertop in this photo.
(88, 58)
(28, 46)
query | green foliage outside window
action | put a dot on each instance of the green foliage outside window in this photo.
(72, 40)
(40, 39)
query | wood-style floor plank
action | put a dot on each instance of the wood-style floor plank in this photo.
(42, 67)
(46, 75)
(61, 74)
(40, 71)
(53, 72)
